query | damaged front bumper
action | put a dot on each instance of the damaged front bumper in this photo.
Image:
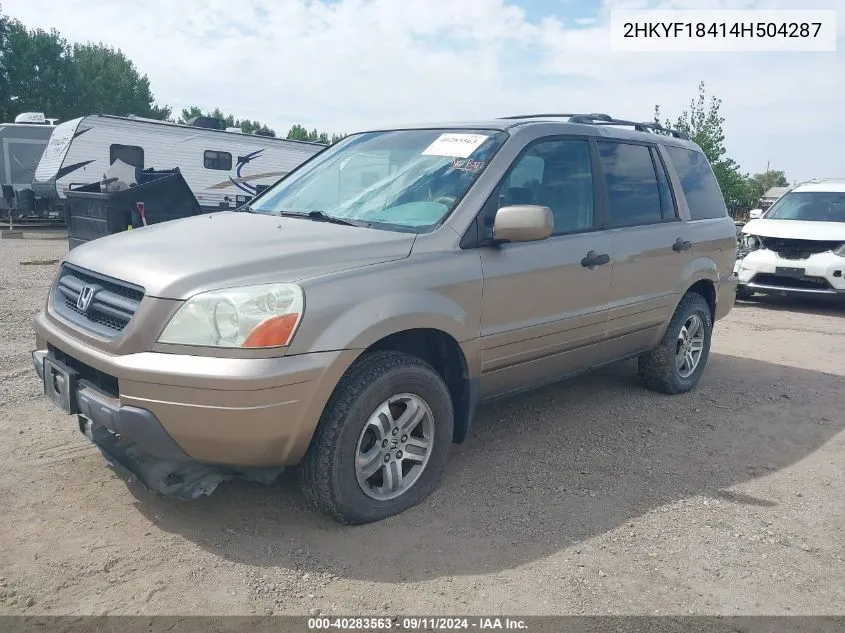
(186, 480)
(764, 271)
(133, 441)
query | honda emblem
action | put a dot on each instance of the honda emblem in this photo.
(85, 296)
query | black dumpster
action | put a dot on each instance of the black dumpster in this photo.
(160, 194)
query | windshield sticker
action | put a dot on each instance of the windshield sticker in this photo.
(466, 164)
(455, 145)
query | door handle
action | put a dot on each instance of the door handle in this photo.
(593, 259)
(681, 245)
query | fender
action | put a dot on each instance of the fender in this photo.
(376, 318)
(697, 269)
(370, 321)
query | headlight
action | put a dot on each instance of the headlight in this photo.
(751, 242)
(250, 316)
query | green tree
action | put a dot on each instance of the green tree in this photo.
(107, 82)
(5, 93)
(704, 124)
(41, 72)
(300, 133)
(36, 72)
(758, 184)
(297, 132)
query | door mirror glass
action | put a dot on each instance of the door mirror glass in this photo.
(523, 223)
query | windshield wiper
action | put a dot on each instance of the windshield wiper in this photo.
(319, 216)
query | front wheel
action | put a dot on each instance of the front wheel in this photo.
(383, 440)
(676, 364)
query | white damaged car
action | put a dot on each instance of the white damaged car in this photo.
(798, 247)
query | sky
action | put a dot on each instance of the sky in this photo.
(348, 65)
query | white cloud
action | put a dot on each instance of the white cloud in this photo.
(351, 64)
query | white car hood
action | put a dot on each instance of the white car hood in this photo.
(796, 229)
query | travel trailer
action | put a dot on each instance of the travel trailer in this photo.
(224, 167)
(22, 142)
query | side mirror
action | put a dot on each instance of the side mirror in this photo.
(755, 214)
(523, 223)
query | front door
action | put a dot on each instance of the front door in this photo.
(545, 303)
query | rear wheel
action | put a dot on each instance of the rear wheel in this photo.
(382, 442)
(676, 364)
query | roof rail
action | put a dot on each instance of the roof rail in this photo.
(597, 118)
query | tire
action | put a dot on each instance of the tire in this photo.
(328, 475)
(659, 369)
(743, 293)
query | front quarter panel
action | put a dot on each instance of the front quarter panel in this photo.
(354, 309)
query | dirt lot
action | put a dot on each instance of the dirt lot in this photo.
(590, 497)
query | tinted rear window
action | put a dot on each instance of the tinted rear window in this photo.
(701, 190)
(633, 195)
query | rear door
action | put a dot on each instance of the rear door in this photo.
(544, 306)
(651, 244)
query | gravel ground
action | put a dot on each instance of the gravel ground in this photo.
(590, 497)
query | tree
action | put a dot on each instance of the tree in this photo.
(758, 184)
(5, 93)
(704, 124)
(41, 72)
(35, 67)
(247, 126)
(299, 133)
(107, 82)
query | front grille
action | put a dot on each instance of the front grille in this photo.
(798, 249)
(112, 305)
(781, 281)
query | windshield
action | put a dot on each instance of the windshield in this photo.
(407, 180)
(818, 206)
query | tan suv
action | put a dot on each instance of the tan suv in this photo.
(354, 315)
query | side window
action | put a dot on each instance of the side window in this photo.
(129, 154)
(633, 196)
(555, 174)
(667, 202)
(217, 160)
(704, 198)
(527, 174)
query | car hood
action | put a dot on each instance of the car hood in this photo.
(177, 259)
(796, 229)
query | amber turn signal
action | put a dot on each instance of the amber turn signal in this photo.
(273, 332)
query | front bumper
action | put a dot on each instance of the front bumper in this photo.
(238, 412)
(763, 271)
(142, 426)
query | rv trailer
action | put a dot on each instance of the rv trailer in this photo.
(21, 146)
(224, 168)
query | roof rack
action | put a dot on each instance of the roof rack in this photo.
(597, 118)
